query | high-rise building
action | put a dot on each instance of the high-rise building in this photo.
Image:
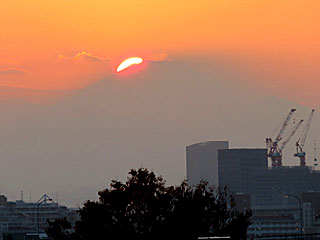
(284, 200)
(238, 168)
(271, 187)
(202, 162)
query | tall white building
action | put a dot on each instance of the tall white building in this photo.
(202, 161)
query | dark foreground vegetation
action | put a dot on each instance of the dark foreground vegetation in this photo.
(143, 208)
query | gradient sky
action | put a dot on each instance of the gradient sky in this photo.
(215, 69)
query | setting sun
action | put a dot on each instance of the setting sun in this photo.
(129, 62)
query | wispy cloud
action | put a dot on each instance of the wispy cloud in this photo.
(84, 56)
(159, 57)
(11, 71)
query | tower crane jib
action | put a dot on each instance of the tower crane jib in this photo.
(301, 154)
(291, 135)
(284, 125)
(305, 131)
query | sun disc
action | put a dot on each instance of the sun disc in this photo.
(129, 62)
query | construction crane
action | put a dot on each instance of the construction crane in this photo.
(274, 151)
(302, 140)
(291, 134)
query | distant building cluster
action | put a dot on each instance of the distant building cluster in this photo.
(284, 200)
(20, 220)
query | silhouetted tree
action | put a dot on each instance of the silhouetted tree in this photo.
(142, 208)
(60, 229)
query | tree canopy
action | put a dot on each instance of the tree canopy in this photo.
(143, 208)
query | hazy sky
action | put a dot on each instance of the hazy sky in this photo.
(215, 70)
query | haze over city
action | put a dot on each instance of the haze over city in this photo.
(215, 70)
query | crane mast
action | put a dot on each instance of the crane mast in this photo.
(301, 154)
(274, 151)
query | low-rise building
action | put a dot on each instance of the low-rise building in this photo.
(20, 218)
(274, 223)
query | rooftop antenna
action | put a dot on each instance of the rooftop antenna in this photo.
(21, 195)
(315, 160)
(315, 153)
(57, 197)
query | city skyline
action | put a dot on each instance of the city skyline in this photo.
(215, 70)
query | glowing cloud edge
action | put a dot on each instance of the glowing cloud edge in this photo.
(129, 62)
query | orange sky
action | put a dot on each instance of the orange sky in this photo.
(68, 44)
(230, 70)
